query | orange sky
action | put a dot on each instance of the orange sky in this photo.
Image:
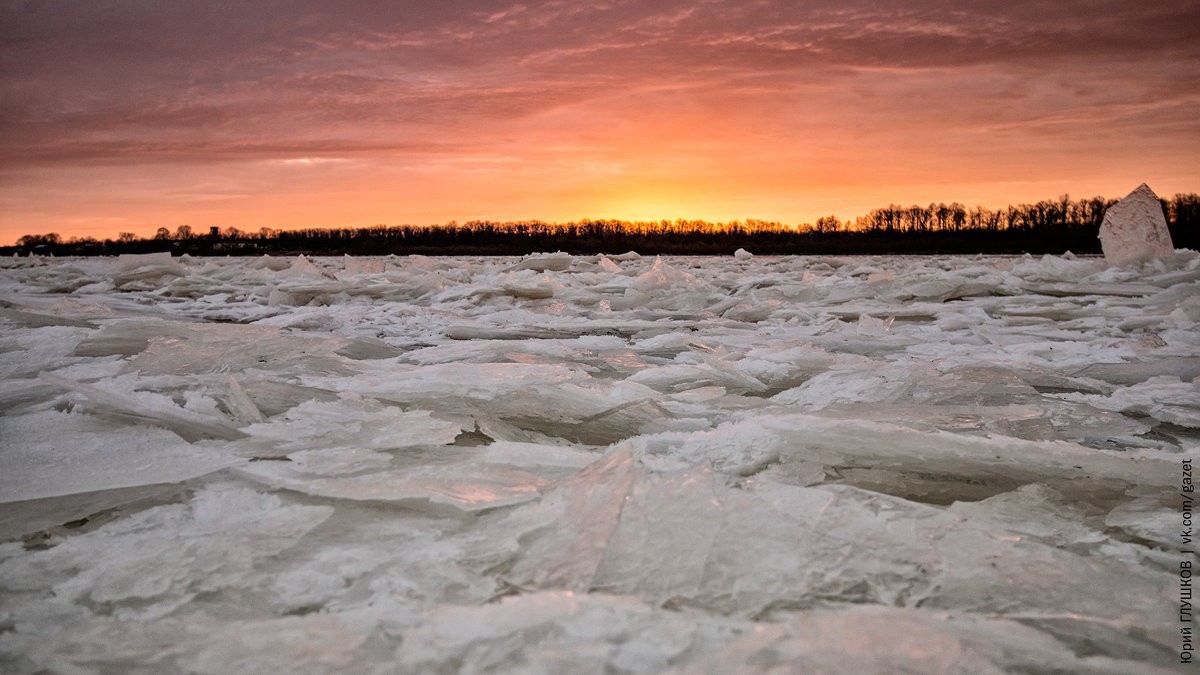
(128, 116)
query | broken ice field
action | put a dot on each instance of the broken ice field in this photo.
(595, 464)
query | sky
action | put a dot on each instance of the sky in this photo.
(126, 116)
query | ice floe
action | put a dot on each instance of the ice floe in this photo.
(561, 463)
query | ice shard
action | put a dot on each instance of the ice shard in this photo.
(572, 463)
(694, 538)
(1135, 229)
(48, 454)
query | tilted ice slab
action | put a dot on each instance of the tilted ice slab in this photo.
(694, 539)
(143, 407)
(932, 465)
(820, 393)
(157, 560)
(48, 454)
(169, 346)
(1135, 229)
(461, 486)
(665, 286)
(556, 631)
(362, 424)
(457, 479)
(144, 272)
(208, 645)
(1163, 398)
(691, 371)
(548, 396)
(541, 262)
(881, 640)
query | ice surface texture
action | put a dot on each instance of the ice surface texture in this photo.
(1135, 228)
(596, 464)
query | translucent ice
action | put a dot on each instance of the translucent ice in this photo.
(463, 486)
(869, 325)
(879, 641)
(594, 464)
(52, 453)
(361, 424)
(545, 261)
(932, 466)
(358, 266)
(156, 560)
(1163, 398)
(145, 271)
(544, 396)
(664, 285)
(707, 372)
(201, 643)
(607, 265)
(695, 539)
(558, 632)
(149, 408)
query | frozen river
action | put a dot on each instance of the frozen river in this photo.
(596, 464)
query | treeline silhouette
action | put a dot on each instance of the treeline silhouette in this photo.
(1050, 226)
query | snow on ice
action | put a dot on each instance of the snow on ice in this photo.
(597, 464)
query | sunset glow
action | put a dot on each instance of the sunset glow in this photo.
(130, 116)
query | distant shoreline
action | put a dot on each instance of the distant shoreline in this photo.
(1052, 226)
(716, 244)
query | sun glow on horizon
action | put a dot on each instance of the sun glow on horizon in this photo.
(185, 113)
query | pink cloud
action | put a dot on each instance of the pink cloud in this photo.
(766, 106)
